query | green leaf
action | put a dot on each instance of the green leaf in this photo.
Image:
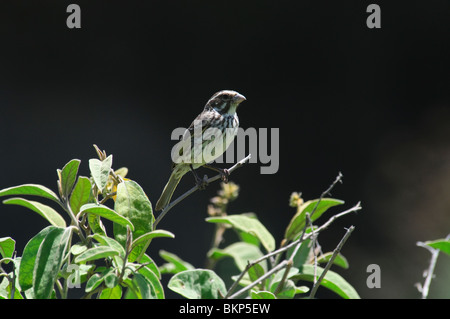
(340, 260)
(301, 290)
(133, 204)
(107, 276)
(288, 291)
(30, 189)
(94, 281)
(6, 289)
(111, 293)
(132, 289)
(255, 272)
(198, 284)
(249, 238)
(80, 194)
(100, 171)
(122, 172)
(151, 265)
(262, 295)
(49, 261)
(157, 288)
(297, 223)
(106, 212)
(109, 242)
(51, 215)
(77, 249)
(332, 281)
(29, 257)
(249, 225)
(279, 276)
(139, 288)
(67, 177)
(150, 235)
(242, 253)
(7, 246)
(96, 253)
(96, 225)
(144, 286)
(302, 253)
(441, 244)
(175, 263)
(111, 279)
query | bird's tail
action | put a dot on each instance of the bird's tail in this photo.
(168, 190)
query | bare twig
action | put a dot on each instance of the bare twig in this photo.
(280, 286)
(195, 188)
(280, 251)
(330, 262)
(429, 273)
(314, 243)
(327, 191)
(278, 267)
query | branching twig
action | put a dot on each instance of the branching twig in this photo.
(278, 267)
(430, 271)
(195, 188)
(280, 251)
(330, 262)
(327, 191)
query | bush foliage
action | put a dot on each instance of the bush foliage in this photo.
(77, 252)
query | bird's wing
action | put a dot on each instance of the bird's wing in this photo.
(204, 121)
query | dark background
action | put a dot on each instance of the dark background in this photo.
(373, 104)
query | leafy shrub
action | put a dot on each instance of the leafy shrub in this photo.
(110, 266)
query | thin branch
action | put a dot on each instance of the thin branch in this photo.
(13, 279)
(313, 246)
(285, 248)
(294, 253)
(61, 290)
(280, 286)
(424, 290)
(107, 196)
(330, 262)
(278, 267)
(327, 191)
(195, 188)
(338, 179)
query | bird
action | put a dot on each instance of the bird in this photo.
(207, 138)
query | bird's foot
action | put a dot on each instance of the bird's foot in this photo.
(201, 183)
(224, 175)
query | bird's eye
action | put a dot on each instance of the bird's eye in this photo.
(225, 96)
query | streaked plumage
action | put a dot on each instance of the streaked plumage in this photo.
(219, 113)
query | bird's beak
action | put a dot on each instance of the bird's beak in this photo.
(238, 98)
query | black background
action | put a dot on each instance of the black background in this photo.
(370, 103)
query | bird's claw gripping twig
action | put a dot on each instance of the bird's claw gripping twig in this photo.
(224, 175)
(202, 183)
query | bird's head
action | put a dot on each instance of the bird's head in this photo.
(225, 101)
